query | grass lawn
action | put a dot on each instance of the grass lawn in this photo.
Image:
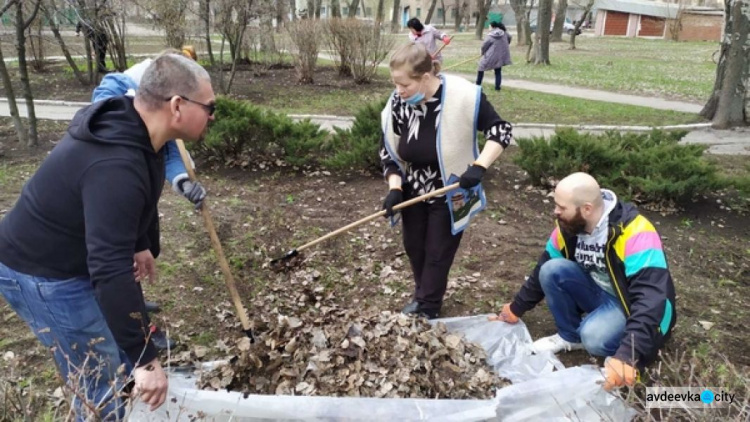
(678, 70)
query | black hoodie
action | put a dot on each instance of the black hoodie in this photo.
(86, 211)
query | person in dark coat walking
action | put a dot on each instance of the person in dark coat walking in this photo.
(495, 53)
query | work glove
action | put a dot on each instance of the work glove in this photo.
(394, 197)
(618, 373)
(472, 176)
(506, 315)
(446, 40)
(193, 191)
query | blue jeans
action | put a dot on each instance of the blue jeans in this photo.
(570, 293)
(65, 316)
(498, 78)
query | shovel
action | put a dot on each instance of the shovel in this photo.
(294, 252)
(209, 223)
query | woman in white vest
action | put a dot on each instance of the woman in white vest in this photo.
(430, 129)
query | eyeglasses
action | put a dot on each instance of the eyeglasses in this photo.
(210, 108)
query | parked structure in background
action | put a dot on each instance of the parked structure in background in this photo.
(645, 18)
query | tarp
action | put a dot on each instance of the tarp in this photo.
(542, 389)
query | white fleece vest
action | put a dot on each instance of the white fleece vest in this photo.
(456, 143)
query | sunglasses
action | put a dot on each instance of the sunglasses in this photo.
(210, 108)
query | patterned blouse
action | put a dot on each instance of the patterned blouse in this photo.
(417, 127)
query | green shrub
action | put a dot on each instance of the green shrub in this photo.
(650, 167)
(358, 148)
(243, 132)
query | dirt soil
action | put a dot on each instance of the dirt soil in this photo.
(261, 214)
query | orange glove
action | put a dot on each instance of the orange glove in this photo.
(446, 40)
(506, 315)
(618, 373)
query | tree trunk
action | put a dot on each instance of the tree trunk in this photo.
(56, 32)
(380, 14)
(205, 17)
(353, 9)
(23, 70)
(519, 9)
(445, 12)
(729, 104)
(457, 23)
(541, 38)
(23, 138)
(430, 11)
(318, 5)
(335, 9)
(395, 19)
(483, 7)
(579, 23)
(293, 8)
(557, 28)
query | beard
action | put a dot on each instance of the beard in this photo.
(575, 225)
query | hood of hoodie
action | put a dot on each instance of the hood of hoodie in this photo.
(111, 122)
(496, 33)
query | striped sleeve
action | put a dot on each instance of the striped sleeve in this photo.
(642, 247)
(554, 244)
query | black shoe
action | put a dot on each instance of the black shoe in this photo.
(415, 308)
(152, 307)
(161, 342)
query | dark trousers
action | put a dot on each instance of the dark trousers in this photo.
(431, 248)
(498, 78)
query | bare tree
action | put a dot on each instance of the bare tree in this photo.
(430, 11)
(483, 8)
(232, 19)
(113, 22)
(204, 15)
(369, 48)
(338, 33)
(457, 7)
(445, 11)
(21, 24)
(169, 15)
(335, 9)
(541, 37)
(395, 23)
(380, 14)
(12, 105)
(305, 35)
(557, 28)
(353, 8)
(729, 104)
(50, 10)
(579, 23)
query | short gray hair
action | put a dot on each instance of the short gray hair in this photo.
(169, 75)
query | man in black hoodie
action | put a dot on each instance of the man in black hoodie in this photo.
(67, 246)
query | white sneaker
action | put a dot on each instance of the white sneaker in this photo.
(554, 344)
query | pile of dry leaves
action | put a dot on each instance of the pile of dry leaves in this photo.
(348, 353)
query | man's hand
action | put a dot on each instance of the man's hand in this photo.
(193, 191)
(618, 373)
(395, 197)
(144, 266)
(472, 176)
(150, 384)
(506, 315)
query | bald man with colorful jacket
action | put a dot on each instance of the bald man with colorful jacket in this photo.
(605, 277)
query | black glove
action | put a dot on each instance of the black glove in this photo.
(472, 176)
(394, 197)
(193, 191)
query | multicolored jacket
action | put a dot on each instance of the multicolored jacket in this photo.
(638, 269)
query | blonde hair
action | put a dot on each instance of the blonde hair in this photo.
(415, 57)
(189, 52)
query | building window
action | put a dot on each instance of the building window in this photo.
(368, 11)
(440, 13)
(453, 12)
(419, 12)
(345, 11)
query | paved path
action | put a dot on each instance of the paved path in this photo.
(735, 141)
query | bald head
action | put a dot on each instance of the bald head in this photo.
(579, 189)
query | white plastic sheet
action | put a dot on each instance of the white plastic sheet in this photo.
(537, 393)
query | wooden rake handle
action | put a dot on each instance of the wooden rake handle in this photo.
(209, 223)
(379, 214)
(441, 48)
